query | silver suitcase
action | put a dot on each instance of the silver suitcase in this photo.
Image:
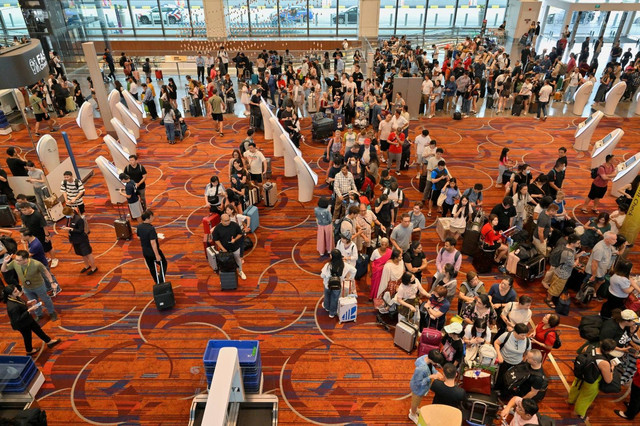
(406, 335)
(211, 257)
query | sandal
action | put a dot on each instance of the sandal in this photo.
(32, 352)
(596, 211)
(52, 343)
(550, 303)
(429, 214)
(585, 211)
(620, 413)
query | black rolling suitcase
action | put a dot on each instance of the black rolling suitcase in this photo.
(163, 291)
(470, 242)
(122, 225)
(322, 129)
(228, 280)
(6, 216)
(255, 121)
(518, 105)
(531, 269)
(481, 409)
(483, 260)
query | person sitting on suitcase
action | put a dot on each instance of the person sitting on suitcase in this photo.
(433, 312)
(526, 412)
(227, 236)
(407, 298)
(493, 240)
(423, 375)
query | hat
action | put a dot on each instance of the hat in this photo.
(349, 126)
(367, 140)
(629, 315)
(455, 328)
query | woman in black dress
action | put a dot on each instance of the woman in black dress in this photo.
(21, 320)
(79, 239)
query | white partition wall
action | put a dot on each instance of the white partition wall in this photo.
(613, 96)
(129, 120)
(48, 153)
(581, 97)
(125, 137)
(637, 111)
(585, 130)
(280, 135)
(118, 154)
(110, 174)
(114, 99)
(307, 180)
(85, 121)
(627, 172)
(604, 147)
(133, 105)
(267, 114)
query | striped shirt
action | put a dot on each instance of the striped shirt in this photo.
(72, 189)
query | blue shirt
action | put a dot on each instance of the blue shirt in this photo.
(130, 189)
(37, 252)
(323, 216)
(421, 379)
(450, 88)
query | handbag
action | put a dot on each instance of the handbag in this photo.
(441, 199)
(477, 381)
(632, 302)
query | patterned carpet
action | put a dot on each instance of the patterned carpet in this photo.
(123, 362)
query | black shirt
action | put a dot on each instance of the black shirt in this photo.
(224, 234)
(136, 174)
(537, 380)
(16, 166)
(557, 178)
(443, 394)
(35, 223)
(504, 216)
(414, 259)
(147, 232)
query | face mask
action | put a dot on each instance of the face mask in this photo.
(528, 172)
(68, 217)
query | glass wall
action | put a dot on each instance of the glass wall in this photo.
(555, 19)
(470, 13)
(441, 14)
(496, 11)
(11, 22)
(387, 23)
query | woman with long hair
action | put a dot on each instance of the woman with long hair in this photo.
(462, 213)
(215, 195)
(172, 91)
(621, 285)
(21, 320)
(79, 239)
(594, 231)
(504, 164)
(452, 193)
(169, 118)
(523, 204)
(505, 94)
(333, 274)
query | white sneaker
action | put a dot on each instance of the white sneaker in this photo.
(54, 263)
(242, 275)
(413, 417)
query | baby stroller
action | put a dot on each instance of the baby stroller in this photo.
(361, 120)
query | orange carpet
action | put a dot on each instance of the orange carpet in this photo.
(123, 362)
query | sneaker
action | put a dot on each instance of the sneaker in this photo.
(54, 263)
(93, 271)
(56, 291)
(413, 417)
(332, 316)
(502, 269)
(242, 275)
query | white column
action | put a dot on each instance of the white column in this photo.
(214, 13)
(519, 16)
(369, 18)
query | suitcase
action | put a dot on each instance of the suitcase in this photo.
(533, 107)
(230, 106)
(254, 79)
(163, 292)
(255, 121)
(557, 96)
(186, 104)
(518, 105)
(406, 335)
(252, 212)
(322, 128)
(123, 229)
(254, 196)
(575, 280)
(362, 266)
(70, 104)
(440, 105)
(405, 158)
(489, 102)
(531, 269)
(470, 242)
(270, 194)
(348, 303)
(210, 222)
(429, 340)
(481, 409)
(211, 258)
(442, 227)
(483, 260)
(158, 74)
(228, 280)
(422, 183)
(7, 217)
(226, 262)
(268, 173)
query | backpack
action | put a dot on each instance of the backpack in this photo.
(334, 283)
(589, 327)
(585, 366)
(594, 172)
(556, 343)
(515, 377)
(586, 293)
(9, 244)
(146, 67)
(244, 145)
(563, 305)
(338, 225)
(556, 255)
(455, 260)
(87, 230)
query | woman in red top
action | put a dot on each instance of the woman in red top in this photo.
(494, 240)
(606, 172)
(545, 335)
(395, 149)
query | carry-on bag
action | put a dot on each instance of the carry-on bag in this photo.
(270, 194)
(122, 225)
(163, 291)
(406, 335)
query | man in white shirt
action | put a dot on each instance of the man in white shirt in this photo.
(256, 163)
(422, 141)
(224, 60)
(543, 100)
(399, 121)
(427, 88)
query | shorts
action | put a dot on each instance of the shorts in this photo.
(216, 117)
(597, 192)
(420, 159)
(556, 286)
(135, 209)
(256, 177)
(41, 117)
(384, 145)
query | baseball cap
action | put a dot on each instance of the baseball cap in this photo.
(455, 328)
(629, 315)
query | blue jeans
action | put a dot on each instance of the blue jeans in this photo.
(569, 92)
(170, 128)
(331, 300)
(40, 293)
(542, 108)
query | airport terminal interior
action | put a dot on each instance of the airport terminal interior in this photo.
(262, 212)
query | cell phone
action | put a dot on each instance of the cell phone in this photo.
(37, 305)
